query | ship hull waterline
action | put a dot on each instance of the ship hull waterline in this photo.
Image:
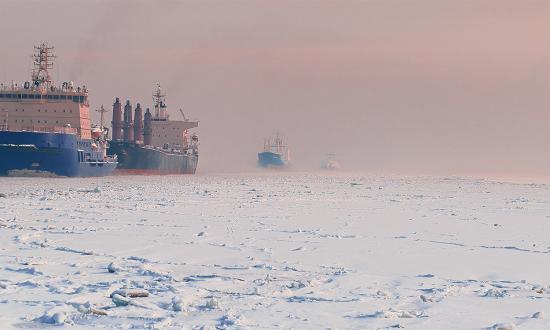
(46, 154)
(268, 159)
(136, 159)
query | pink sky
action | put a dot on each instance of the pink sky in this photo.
(442, 87)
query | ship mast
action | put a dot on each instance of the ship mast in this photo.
(101, 110)
(43, 62)
(159, 102)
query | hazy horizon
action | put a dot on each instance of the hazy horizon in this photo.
(429, 87)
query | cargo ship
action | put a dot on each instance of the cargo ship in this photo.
(275, 154)
(330, 163)
(151, 143)
(45, 129)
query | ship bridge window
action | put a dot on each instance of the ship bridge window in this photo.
(81, 99)
(50, 97)
(63, 97)
(56, 97)
(75, 98)
(25, 96)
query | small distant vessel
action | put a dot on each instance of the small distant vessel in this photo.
(46, 128)
(330, 163)
(276, 154)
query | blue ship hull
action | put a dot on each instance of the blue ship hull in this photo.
(49, 154)
(270, 159)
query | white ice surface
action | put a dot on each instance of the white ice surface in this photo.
(274, 250)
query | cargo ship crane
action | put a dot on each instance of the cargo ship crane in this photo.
(183, 115)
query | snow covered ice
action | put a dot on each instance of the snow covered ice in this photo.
(274, 250)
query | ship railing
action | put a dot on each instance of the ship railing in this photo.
(50, 129)
(21, 87)
(172, 150)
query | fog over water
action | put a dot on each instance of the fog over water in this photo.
(431, 87)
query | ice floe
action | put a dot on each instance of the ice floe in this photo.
(279, 250)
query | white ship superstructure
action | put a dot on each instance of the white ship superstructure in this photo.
(40, 105)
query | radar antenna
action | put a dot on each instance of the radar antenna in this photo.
(43, 62)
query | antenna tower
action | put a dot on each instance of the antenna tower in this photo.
(43, 62)
(158, 101)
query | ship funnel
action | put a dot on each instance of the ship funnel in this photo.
(147, 128)
(138, 124)
(117, 120)
(128, 127)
